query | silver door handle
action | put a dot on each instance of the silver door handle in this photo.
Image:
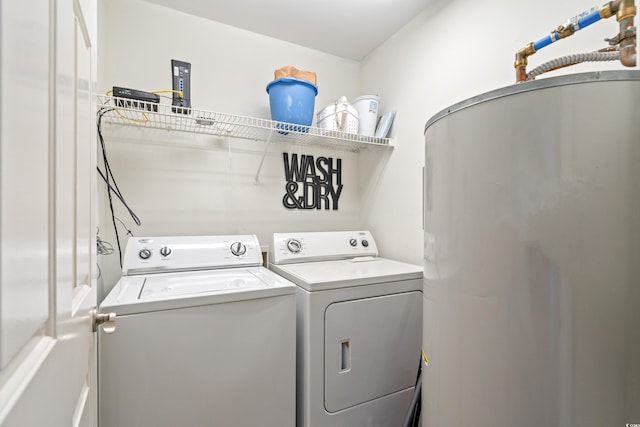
(107, 320)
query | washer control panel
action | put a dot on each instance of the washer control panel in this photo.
(321, 246)
(181, 253)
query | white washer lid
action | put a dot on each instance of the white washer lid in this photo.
(322, 275)
(153, 292)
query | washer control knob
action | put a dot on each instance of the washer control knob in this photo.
(294, 246)
(144, 253)
(238, 248)
(365, 242)
(165, 251)
(353, 242)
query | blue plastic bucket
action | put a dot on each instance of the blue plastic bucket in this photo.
(292, 100)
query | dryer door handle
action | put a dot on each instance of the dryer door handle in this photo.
(345, 356)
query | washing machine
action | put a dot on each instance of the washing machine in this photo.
(359, 325)
(204, 336)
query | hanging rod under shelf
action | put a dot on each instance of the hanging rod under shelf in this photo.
(163, 116)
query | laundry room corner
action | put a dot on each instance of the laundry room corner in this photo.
(288, 213)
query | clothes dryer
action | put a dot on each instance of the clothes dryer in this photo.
(204, 336)
(359, 325)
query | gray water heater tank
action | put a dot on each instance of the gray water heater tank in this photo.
(532, 256)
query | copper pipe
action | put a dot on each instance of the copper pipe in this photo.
(625, 17)
(521, 73)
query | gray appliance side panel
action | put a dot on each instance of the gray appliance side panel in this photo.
(532, 270)
(224, 364)
(372, 348)
(307, 354)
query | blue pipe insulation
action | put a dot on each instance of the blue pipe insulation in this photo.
(588, 20)
(546, 41)
(554, 37)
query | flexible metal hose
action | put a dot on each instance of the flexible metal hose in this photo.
(571, 60)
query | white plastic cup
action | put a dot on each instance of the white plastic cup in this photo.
(367, 107)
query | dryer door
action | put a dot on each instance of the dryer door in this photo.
(372, 348)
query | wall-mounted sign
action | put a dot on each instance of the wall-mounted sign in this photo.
(312, 183)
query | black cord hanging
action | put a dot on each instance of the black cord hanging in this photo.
(112, 186)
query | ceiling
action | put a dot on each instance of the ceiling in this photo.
(347, 28)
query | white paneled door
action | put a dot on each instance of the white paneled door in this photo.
(47, 226)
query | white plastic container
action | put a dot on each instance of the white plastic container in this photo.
(367, 107)
(339, 116)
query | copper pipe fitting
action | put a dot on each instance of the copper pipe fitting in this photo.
(521, 61)
(625, 17)
(627, 10)
(610, 9)
(523, 53)
(628, 56)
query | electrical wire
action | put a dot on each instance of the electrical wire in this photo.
(412, 417)
(103, 247)
(109, 174)
(116, 191)
(108, 178)
(129, 233)
(144, 120)
(101, 113)
(180, 94)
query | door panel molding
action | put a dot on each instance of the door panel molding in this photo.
(17, 376)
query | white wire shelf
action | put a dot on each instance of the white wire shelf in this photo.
(163, 116)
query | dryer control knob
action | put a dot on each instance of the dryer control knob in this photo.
(144, 253)
(238, 248)
(365, 243)
(294, 246)
(353, 242)
(165, 251)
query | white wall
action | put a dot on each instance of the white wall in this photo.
(452, 51)
(181, 184)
